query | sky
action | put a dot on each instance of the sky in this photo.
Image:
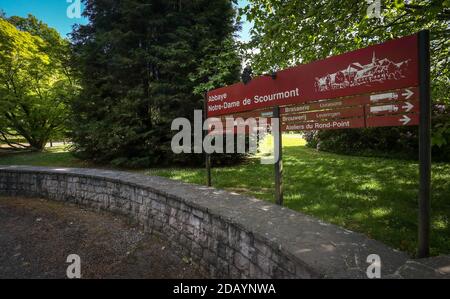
(54, 13)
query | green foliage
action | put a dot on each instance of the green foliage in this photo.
(34, 85)
(369, 142)
(374, 196)
(300, 31)
(143, 64)
(57, 156)
(441, 133)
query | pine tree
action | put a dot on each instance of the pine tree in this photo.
(142, 64)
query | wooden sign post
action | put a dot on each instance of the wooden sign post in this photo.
(278, 152)
(424, 144)
(207, 156)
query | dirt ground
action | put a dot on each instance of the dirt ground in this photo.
(37, 236)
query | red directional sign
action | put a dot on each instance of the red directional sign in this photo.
(393, 120)
(388, 66)
(324, 114)
(406, 94)
(393, 108)
(325, 125)
(389, 108)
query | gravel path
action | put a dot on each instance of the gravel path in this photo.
(36, 237)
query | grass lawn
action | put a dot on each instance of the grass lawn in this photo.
(53, 156)
(375, 196)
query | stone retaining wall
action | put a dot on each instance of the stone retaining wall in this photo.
(230, 235)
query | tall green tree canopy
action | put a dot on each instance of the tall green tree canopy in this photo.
(143, 64)
(290, 32)
(34, 84)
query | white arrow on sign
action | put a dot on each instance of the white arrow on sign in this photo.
(407, 94)
(384, 96)
(408, 106)
(389, 108)
(405, 120)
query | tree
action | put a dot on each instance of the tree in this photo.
(34, 89)
(290, 32)
(142, 64)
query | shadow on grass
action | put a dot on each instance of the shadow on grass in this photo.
(374, 196)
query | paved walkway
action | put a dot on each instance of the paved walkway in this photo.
(36, 236)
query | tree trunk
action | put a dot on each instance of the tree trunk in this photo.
(38, 145)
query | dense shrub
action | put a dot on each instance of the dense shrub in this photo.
(398, 142)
